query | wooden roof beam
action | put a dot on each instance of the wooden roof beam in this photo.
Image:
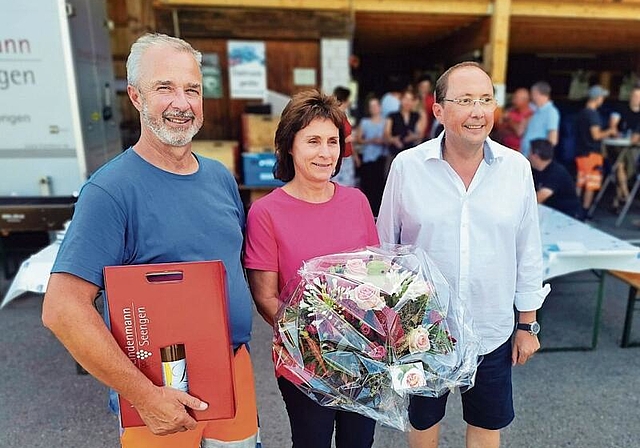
(618, 10)
(465, 7)
(576, 9)
(467, 40)
(270, 4)
(449, 7)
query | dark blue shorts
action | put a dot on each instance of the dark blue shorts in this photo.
(488, 404)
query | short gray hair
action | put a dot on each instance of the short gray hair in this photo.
(542, 87)
(149, 40)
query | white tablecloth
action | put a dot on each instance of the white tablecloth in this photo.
(622, 141)
(570, 246)
(33, 274)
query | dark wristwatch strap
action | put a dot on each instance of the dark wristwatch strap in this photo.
(533, 327)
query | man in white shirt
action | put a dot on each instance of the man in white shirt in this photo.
(471, 204)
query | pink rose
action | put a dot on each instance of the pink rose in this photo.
(378, 352)
(365, 330)
(367, 297)
(356, 267)
(412, 379)
(419, 340)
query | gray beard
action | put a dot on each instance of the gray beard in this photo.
(166, 135)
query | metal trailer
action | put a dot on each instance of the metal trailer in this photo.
(58, 123)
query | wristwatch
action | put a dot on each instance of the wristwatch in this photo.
(533, 328)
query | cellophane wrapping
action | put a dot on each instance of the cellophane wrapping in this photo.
(360, 331)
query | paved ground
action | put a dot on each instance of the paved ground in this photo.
(587, 399)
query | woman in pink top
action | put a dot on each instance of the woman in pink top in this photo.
(309, 216)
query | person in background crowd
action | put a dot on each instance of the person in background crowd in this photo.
(370, 134)
(390, 101)
(515, 119)
(403, 129)
(436, 129)
(554, 185)
(426, 98)
(156, 202)
(343, 94)
(589, 160)
(347, 175)
(628, 127)
(443, 197)
(308, 217)
(545, 121)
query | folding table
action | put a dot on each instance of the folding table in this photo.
(570, 246)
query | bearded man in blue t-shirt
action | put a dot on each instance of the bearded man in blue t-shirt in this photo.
(156, 202)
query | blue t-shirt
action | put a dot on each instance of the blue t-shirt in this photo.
(544, 120)
(131, 212)
(370, 130)
(389, 104)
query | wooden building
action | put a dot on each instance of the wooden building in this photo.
(518, 41)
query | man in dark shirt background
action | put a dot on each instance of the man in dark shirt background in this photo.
(627, 122)
(630, 123)
(554, 185)
(589, 160)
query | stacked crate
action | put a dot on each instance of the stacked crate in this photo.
(258, 156)
(225, 151)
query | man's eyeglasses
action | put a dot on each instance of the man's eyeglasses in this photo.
(484, 102)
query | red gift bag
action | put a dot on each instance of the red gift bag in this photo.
(154, 308)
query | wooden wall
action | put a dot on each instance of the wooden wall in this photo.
(222, 116)
(292, 39)
(131, 18)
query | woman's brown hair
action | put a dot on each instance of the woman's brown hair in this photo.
(301, 110)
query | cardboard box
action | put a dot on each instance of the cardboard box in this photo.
(158, 305)
(258, 132)
(258, 170)
(226, 151)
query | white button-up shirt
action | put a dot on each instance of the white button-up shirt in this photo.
(485, 239)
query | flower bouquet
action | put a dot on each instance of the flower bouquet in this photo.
(359, 330)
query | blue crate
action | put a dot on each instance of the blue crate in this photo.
(258, 170)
